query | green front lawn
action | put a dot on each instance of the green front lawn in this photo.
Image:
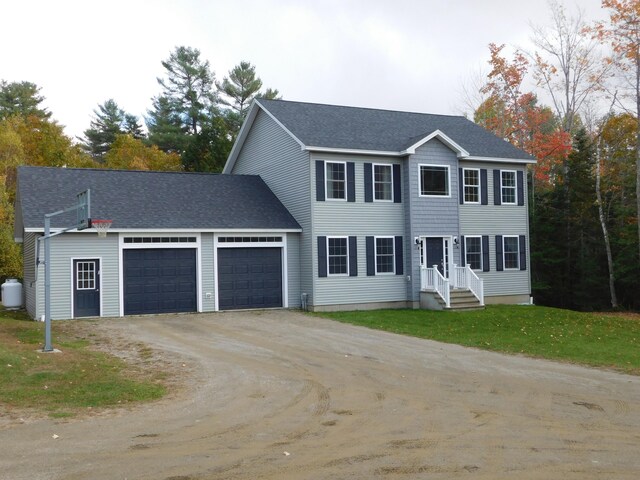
(602, 340)
(63, 384)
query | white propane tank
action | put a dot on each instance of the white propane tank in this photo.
(12, 294)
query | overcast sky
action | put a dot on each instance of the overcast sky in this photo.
(394, 54)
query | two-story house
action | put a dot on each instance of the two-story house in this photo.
(322, 207)
(383, 196)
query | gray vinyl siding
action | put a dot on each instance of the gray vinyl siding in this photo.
(270, 152)
(68, 246)
(360, 219)
(294, 270)
(430, 216)
(206, 273)
(29, 286)
(495, 220)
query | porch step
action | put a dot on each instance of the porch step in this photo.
(463, 299)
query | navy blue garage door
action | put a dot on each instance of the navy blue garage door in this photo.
(249, 278)
(159, 280)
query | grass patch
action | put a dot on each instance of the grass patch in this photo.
(63, 384)
(601, 340)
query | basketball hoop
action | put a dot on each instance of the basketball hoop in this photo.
(101, 226)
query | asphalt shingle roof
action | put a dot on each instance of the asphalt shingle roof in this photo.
(152, 200)
(332, 126)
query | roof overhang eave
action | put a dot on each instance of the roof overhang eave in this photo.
(499, 159)
(174, 230)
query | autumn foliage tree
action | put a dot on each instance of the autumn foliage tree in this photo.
(129, 153)
(517, 117)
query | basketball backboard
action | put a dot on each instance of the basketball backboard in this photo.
(84, 210)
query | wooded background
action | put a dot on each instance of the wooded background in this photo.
(573, 103)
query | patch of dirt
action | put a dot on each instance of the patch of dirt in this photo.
(280, 395)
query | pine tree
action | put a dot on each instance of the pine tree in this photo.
(21, 98)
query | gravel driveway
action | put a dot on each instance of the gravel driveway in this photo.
(281, 395)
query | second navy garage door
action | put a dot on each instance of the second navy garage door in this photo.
(249, 278)
(159, 280)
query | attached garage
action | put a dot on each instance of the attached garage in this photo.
(159, 280)
(249, 277)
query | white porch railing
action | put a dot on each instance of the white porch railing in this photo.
(463, 277)
(432, 279)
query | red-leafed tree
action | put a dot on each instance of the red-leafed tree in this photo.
(517, 117)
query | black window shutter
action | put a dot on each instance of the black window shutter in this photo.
(353, 256)
(523, 252)
(399, 256)
(461, 186)
(499, 267)
(496, 188)
(351, 182)
(319, 180)
(485, 253)
(463, 252)
(397, 184)
(322, 256)
(520, 183)
(484, 195)
(368, 182)
(371, 256)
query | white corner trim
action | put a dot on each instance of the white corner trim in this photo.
(461, 152)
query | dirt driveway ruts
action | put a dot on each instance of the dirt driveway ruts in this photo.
(282, 395)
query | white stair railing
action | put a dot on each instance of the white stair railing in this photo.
(475, 284)
(467, 278)
(441, 286)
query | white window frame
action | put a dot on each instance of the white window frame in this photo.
(466, 244)
(326, 180)
(465, 185)
(448, 195)
(91, 282)
(514, 187)
(504, 252)
(346, 274)
(373, 181)
(393, 261)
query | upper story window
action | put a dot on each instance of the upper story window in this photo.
(471, 185)
(508, 187)
(473, 252)
(511, 252)
(434, 181)
(382, 182)
(336, 180)
(338, 255)
(385, 258)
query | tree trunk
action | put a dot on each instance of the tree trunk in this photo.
(605, 234)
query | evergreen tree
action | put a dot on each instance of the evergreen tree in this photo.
(132, 126)
(208, 150)
(238, 91)
(107, 122)
(188, 86)
(21, 98)
(166, 128)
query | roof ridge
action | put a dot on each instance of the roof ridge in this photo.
(365, 108)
